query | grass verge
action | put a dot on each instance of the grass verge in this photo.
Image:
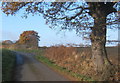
(51, 64)
(54, 66)
(8, 63)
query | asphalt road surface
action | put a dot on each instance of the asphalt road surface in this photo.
(29, 69)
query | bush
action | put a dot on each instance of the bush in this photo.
(58, 53)
(79, 60)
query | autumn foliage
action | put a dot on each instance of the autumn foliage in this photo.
(58, 53)
(30, 38)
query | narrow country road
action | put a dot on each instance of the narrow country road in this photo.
(29, 69)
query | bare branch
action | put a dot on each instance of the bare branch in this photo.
(80, 7)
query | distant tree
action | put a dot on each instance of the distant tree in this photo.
(88, 17)
(29, 38)
(7, 42)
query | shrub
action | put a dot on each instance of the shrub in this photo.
(58, 53)
(78, 60)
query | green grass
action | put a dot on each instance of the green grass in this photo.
(63, 70)
(8, 62)
(43, 59)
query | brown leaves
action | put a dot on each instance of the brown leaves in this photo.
(80, 63)
(29, 37)
(11, 7)
(59, 52)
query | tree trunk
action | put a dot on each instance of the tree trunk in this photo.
(98, 40)
(99, 12)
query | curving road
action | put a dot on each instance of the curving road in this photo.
(29, 69)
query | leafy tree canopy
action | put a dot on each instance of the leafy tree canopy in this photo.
(29, 37)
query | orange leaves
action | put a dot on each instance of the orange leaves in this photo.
(29, 37)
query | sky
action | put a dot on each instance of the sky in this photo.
(13, 26)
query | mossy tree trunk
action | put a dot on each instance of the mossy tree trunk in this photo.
(99, 54)
(98, 40)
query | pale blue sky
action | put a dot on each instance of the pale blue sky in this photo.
(13, 26)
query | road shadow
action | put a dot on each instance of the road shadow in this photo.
(22, 59)
(29, 69)
(18, 67)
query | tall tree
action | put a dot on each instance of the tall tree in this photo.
(29, 38)
(86, 16)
